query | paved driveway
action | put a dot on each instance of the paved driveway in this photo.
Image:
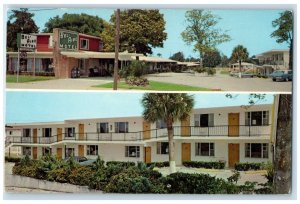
(223, 82)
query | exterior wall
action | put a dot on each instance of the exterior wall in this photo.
(94, 43)
(43, 43)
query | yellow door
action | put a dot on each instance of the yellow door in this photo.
(81, 150)
(81, 131)
(186, 151)
(35, 135)
(147, 155)
(185, 127)
(34, 152)
(233, 154)
(59, 153)
(59, 134)
(146, 130)
(233, 124)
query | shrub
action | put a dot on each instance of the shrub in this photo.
(248, 166)
(211, 71)
(158, 164)
(206, 165)
(137, 81)
(12, 159)
(59, 175)
(135, 69)
(120, 163)
(32, 169)
(81, 176)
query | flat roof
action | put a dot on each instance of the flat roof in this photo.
(272, 51)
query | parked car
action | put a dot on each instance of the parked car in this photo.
(82, 160)
(282, 75)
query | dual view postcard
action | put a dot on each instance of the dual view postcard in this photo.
(148, 101)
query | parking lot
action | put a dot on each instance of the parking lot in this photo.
(218, 82)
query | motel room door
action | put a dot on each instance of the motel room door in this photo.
(233, 124)
(147, 155)
(233, 154)
(186, 152)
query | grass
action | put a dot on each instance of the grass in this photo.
(154, 85)
(224, 72)
(24, 78)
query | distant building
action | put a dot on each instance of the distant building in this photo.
(269, 61)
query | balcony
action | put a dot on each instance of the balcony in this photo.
(183, 131)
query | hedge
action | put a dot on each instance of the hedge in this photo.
(120, 163)
(248, 166)
(12, 159)
(206, 165)
(158, 164)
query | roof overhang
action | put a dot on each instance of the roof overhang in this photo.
(32, 54)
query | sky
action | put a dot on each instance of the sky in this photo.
(28, 106)
(250, 28)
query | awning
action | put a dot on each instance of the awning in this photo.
(123, 56)
(156, 59)
(32, 54)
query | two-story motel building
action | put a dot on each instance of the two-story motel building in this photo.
(232, 134)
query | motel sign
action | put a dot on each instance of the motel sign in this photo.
(68, 40)
(25, 41)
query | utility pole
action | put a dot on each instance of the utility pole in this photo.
(117, 38)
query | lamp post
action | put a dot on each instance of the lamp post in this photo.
(117, 37)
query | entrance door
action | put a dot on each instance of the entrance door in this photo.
(233, 124)
(186, 151)
(59, 153)
(146, 130)
(233, 154)
(81, 150)
(185, 127)
(59, 134)
(147, 155)
(35, 135)
(81, 131)
(34, 152)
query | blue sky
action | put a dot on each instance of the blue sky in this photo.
(251, 28)
(23, 107)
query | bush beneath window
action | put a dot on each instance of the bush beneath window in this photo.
(206, 165)
(12, 159)
(249, 166)
(158, 164)
(120, 163)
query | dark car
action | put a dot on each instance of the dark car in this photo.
(282, 75)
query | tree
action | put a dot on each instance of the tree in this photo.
(211, 59)
(201, 31)
(83, 23)
(224, 61)
(169, 107)
(178, 56)
(284, 32)
(239, 54)
(141, 30)
(20, 21)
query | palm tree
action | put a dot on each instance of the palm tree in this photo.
(169, 107)
(239, 53)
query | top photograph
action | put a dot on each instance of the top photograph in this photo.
(226, 50)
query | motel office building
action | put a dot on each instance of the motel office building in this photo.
(232, 134)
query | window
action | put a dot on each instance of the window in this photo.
(204, 120)
(70, 132)
(102, 127)
(26, 132)
(256, 150)
(92, 149)
(47, 132)
(121, 127)
(46, 151)
(84, 44)
(10, 132)
(257, 118)
(205, 149)
(160, 124)
(132, 151)
(27, 151)
(162, 148)
(70, 152)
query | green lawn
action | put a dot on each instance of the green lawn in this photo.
(224, 72)
(24, 79)
(154, 85)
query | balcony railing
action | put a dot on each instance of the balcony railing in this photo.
(182, 131)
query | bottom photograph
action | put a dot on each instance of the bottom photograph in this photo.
(148, 143)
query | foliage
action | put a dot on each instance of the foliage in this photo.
(158, 164)
(20, 21)
(235, 176)
(98, 164)
(211, 59)
(12, 159)
(248, 166)
(201, 31)
(120, 163)
(82, 23)
(284, 32)
(178, 56)
(224, 61)
(81, 176)
(239, 54)
(135, 68)
(137, 81)
(270, 172)
(209, 71)
(206, 165)
(141, 30)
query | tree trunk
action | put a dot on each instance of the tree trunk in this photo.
(171, 147)
(291, 56)
(283, 146)
(240, 67)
